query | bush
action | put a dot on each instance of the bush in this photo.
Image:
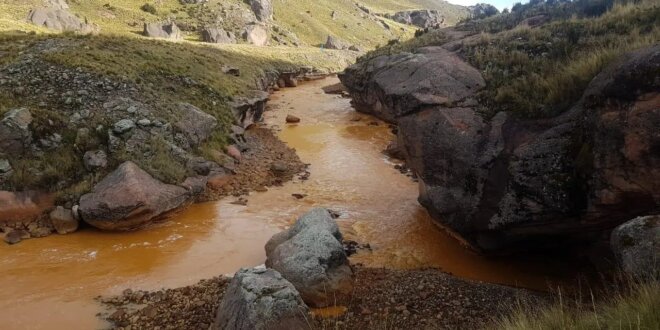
(149, 8)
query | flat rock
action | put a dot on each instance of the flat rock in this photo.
(129, 198)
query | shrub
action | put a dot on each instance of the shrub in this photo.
(149, 8)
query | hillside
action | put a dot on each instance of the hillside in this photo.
(117, 51)
(303, 22)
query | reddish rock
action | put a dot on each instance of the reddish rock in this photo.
(291, 119)
(129, 198)
(233, 151)
(23, 207)
(218, 181)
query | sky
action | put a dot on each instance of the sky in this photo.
(500, 4)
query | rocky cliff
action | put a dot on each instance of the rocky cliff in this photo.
(498, 178)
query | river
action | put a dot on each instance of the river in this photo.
(50, 283)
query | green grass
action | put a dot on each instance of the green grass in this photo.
(635, 307)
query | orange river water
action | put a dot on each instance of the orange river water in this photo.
(50, 283)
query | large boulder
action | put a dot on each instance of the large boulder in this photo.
(256, 34)
(60, 19)
(260, 299)
(195, 124)
(421, 18)
(129, 198)
(502, 181)
(636, 245)
(15, 135)
(263, 9)
(218, 35)
(165, 30)
(394, 86)
(310, 255)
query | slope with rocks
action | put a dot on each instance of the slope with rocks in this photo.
(292, 23)
(513, 141)
(75, 107)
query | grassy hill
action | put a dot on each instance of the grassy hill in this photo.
(309, 20)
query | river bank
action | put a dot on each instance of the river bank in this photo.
(349, 174)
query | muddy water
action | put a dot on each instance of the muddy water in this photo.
(50, 283)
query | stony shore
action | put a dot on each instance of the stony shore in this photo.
(383, 298)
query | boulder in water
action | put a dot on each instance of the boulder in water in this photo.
(311, 256)
(129, 198)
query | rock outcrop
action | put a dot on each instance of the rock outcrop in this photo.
(165, 30)
(420, 18)
(15, 134)
(636, 245)
(60, 19)
(256, 34)
(260, 299)
(218, 36)
(310, 255)
(195, 124)
(334, 43)
(249, 108)
(129, 198)
(394, 86)
(501, 180)
(263, 9)
(482, 10)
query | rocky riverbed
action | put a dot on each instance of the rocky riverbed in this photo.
(383, 298)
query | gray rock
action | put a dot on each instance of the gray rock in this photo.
(249, 109)
(260, 299)
(420, 18)
(60, 19)
(144, 122)
(218, 35)
(129, 198)
(334, 43)
(263, 9)
(279, 168)
(63, 221)
(194, 123)
(256, 34)
(15, 236)
(393, 86)
(5, 167)
(95, 159)
(636, 245)
(165, 30)
(482, 10)
(123, 126)
(15, 135)
(311, 256)
(196, 185)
